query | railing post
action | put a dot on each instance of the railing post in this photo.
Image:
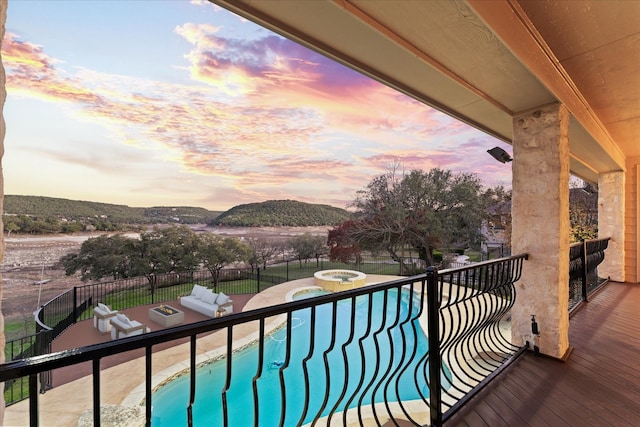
(34, 412)
(75, 304)
(584, 270)
(258, 278)
(96, 392)
(433, 313)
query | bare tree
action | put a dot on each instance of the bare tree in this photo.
(262, 250)
(307, 246)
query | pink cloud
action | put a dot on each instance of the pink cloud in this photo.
(30, 70)
(262, 115)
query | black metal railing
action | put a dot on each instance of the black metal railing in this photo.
(474, 328)
(21, 348)
(76, 304)
(584, 258)
(365, 355)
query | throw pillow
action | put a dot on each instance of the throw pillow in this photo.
(198, 291)
(222, 299)
(103, 307)
(209, 297)
(124, 320)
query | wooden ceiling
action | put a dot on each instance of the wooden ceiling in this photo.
(484, 61)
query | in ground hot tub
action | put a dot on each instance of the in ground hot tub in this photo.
(339, 280)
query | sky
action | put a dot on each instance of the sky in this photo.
(182, 103)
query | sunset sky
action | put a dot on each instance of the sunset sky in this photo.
(177, 103)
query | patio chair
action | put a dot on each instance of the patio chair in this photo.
(122, 326)
(102, 314)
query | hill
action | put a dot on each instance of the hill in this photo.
(49, 208)
(278, 213)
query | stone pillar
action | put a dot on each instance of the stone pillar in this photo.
(540, 227)
(611, 202)
(3, 97)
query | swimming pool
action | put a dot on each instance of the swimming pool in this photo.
(364, 367)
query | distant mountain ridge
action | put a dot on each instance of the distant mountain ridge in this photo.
(286, 213)
(41, 206)
(275, 213)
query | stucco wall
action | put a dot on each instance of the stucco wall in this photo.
(632, 222)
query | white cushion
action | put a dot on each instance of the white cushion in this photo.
(222, 299)
(124, 320)
(104, 307)
(198, 291)
(209, 297)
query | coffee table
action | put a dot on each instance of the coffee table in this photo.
(166, 316)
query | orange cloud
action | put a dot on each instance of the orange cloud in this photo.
(30, 70)
(263, 116)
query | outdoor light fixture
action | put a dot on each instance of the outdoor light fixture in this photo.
(500, 155)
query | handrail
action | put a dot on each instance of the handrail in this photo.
(481, 292)
(584, 258)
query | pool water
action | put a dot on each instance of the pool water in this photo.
(362, 386)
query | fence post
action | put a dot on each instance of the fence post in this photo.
(258, 271)
(43, 346)
(75, 304)
(584, 270)
(435, 361)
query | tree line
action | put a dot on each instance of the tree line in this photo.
(396, 213)
(48, 215)
(178, 249)
(416, 212)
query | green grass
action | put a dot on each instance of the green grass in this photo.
(16, 329)
(18, 332)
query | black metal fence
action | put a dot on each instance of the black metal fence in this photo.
(584, 258)
(365, 356)
(473, 326)
(77, 303)
(28, 346)
(56, 315)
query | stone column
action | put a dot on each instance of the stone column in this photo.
(540, 227)
(611, 202)
(3, 97)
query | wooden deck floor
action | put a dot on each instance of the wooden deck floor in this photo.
(599, 385)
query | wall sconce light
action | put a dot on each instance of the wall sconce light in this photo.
(500, 155)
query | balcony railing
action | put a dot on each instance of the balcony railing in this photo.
(584, 258)
(365, 357)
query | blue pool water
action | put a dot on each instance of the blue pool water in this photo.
(392, 343)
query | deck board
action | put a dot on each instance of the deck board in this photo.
(599, 385)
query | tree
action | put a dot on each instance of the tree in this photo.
(10, 225)
(306, 246)
(341, 247)
(419, 210)
(583, 212)
(99, 257)
(164, 250)
(261, 251)
(498, 221)
(216, 252)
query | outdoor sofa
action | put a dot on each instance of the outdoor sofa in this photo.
(205, 301)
